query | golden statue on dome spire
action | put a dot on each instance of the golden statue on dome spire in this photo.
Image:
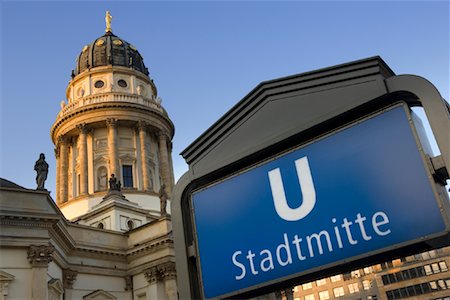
(108, 19)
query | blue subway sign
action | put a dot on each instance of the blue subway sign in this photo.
(362, 190)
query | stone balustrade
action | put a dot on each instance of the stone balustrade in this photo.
(110, 97)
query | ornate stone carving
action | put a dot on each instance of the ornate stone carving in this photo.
(163, 200)
(40, 256)
(164, 271)
(111, 122)
(141, 125)
(62, 140)
(167, 270)
(128, 283)
(69, 277)
(82, 128)
(152, 275)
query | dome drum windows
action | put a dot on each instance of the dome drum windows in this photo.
(122, 83)
(99, 84)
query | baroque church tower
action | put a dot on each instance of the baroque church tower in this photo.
(112, 124)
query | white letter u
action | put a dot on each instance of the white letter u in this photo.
(306, 186)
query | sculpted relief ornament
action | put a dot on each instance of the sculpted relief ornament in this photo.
(40, 256)
(164, 271)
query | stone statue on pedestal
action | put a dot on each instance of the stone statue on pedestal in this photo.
(41, 168)
(114, 184)
(163, 200)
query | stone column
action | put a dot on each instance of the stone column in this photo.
(63, 169)
(142, 128)
(112, 147)
(164, 162)
(40, 257)
(169, 276)
(58, 172)
(153, 277)
(163, 273)
(82, 140)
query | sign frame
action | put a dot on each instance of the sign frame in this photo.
(444, 209)
(322, 100)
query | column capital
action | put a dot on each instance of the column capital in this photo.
(62, 140)
(69, 277)
(128, 283)
(141, 125)
(40, 255)
(167, 270)
(111, 122)
(163, 134)
(82, 128)
(152, 275)
(161, 272)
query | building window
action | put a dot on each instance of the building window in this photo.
(356, 274)
(322, 281)
(100, 225)
(368, 270)
(428, 270)
(338, 292)
(366, 284)
(99, 84)
(373, 297)
(307, 286)
(336, 278)
(127, 172)
(353, 288)
(122, 83)
(310, 297)
(443, 266)
(419, 289)
(324, 295)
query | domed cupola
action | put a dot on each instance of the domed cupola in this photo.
(111, 122)
(111, 50)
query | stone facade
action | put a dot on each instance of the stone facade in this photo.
(44, 256)
(97, 242)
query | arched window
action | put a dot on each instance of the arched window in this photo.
(100, 225)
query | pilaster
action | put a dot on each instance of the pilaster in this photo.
(39, 257)
(164, 273)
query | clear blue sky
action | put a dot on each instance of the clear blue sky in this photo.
(203, 56)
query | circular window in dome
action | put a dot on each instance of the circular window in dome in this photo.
(122, 83)
(117, 42)
(99, 84)
(85, 48)
(100, 42)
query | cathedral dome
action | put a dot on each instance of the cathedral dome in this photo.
(109, 50)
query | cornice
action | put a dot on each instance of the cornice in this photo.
(108, 105)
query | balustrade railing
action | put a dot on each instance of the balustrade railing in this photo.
(102, 98)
